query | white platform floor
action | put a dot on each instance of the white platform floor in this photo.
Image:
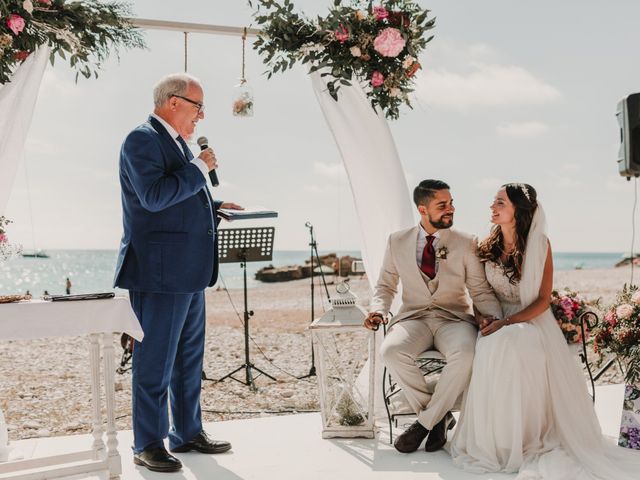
(291, 447)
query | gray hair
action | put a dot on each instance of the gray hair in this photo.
(170, 85)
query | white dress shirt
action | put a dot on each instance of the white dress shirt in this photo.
(198, 162)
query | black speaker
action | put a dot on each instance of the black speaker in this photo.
(628, 115)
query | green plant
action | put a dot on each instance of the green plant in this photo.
(377, 46)
(83, 32)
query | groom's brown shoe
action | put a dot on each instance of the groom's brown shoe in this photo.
(410, 440)
(438, 434)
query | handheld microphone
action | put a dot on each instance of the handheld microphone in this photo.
(204, 144)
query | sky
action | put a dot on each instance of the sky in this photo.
(509, 91)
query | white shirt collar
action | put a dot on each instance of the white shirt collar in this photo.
(425, 234)
(170, 129)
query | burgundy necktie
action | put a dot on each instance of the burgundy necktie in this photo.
(428, 265)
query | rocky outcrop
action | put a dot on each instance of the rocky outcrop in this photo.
(340, 266)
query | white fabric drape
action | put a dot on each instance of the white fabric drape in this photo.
(378, 185)
(376, 176)
(17, 102)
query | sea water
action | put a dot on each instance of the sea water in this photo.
(92, 270)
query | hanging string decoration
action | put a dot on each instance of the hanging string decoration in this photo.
(243, 94)
(376, 46)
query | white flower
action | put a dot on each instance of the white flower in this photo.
(635, 298)
(408, 61)
(355, 51)
(28, 6)
(624, 311)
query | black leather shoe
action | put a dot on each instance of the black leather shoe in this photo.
(438, 434)
(409, 440)
(157, 460)
(203, 444)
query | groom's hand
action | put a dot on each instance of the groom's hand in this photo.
(484, 320)
(373, 321)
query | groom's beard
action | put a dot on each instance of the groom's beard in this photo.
(445, 221)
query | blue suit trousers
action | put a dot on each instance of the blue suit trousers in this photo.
(167, 365)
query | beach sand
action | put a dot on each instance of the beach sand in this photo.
(45, 388)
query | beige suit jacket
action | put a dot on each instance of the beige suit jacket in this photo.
(460, 278)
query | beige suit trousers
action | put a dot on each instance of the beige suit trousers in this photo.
(409, 338)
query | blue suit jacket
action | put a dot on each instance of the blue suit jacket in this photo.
(170, 220)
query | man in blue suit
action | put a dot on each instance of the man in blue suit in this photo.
(168, 256)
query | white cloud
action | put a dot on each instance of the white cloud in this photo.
(330, 170)
(570, 167)
(490, 183)
(486, 85)
(38, 147)
(618, 184)
(522, 130)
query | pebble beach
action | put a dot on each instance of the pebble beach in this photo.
(45, 387)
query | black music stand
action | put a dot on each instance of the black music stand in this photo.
(244, 245)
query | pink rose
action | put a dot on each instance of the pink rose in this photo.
(377, 79)
(342, 34)
(610, 318)
(46, 2)
(15, 23)
(380, 13)
(624, 311)
(566, 303)
(635, 298)
(3, 238)
(389, 43)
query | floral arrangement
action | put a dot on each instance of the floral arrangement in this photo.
(6, 249)
(619, 332)
(86, 31)
(377, 46)
(629, 425)
(568, 307)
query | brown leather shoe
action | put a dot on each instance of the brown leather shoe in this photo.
(203, 444)
(157, 460)
(438, 434)
(410, 440)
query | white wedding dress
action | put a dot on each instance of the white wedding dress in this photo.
(527, 408)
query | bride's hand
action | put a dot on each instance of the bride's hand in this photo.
(484, 320)
(492, 327)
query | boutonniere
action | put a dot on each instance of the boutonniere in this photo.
(442, 252)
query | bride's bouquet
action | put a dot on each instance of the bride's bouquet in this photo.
(568, 308)
(619, 332)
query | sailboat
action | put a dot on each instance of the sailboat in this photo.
(35, 254)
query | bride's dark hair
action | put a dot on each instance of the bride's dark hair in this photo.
(525, 202)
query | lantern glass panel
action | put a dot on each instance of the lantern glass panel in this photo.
(343, 356)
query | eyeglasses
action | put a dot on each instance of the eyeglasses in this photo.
(192, 102)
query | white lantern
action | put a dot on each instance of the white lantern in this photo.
(342, 346)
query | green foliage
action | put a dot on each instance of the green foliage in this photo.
(341, 45)
(84, 33)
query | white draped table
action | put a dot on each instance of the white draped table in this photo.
(97, 319)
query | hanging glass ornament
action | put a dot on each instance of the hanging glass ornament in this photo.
(242, 93)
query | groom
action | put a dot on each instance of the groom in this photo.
(438, 268)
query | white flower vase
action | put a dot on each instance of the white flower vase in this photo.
(243, 100)
(4, 439)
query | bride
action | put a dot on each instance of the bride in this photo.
(527, 408)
